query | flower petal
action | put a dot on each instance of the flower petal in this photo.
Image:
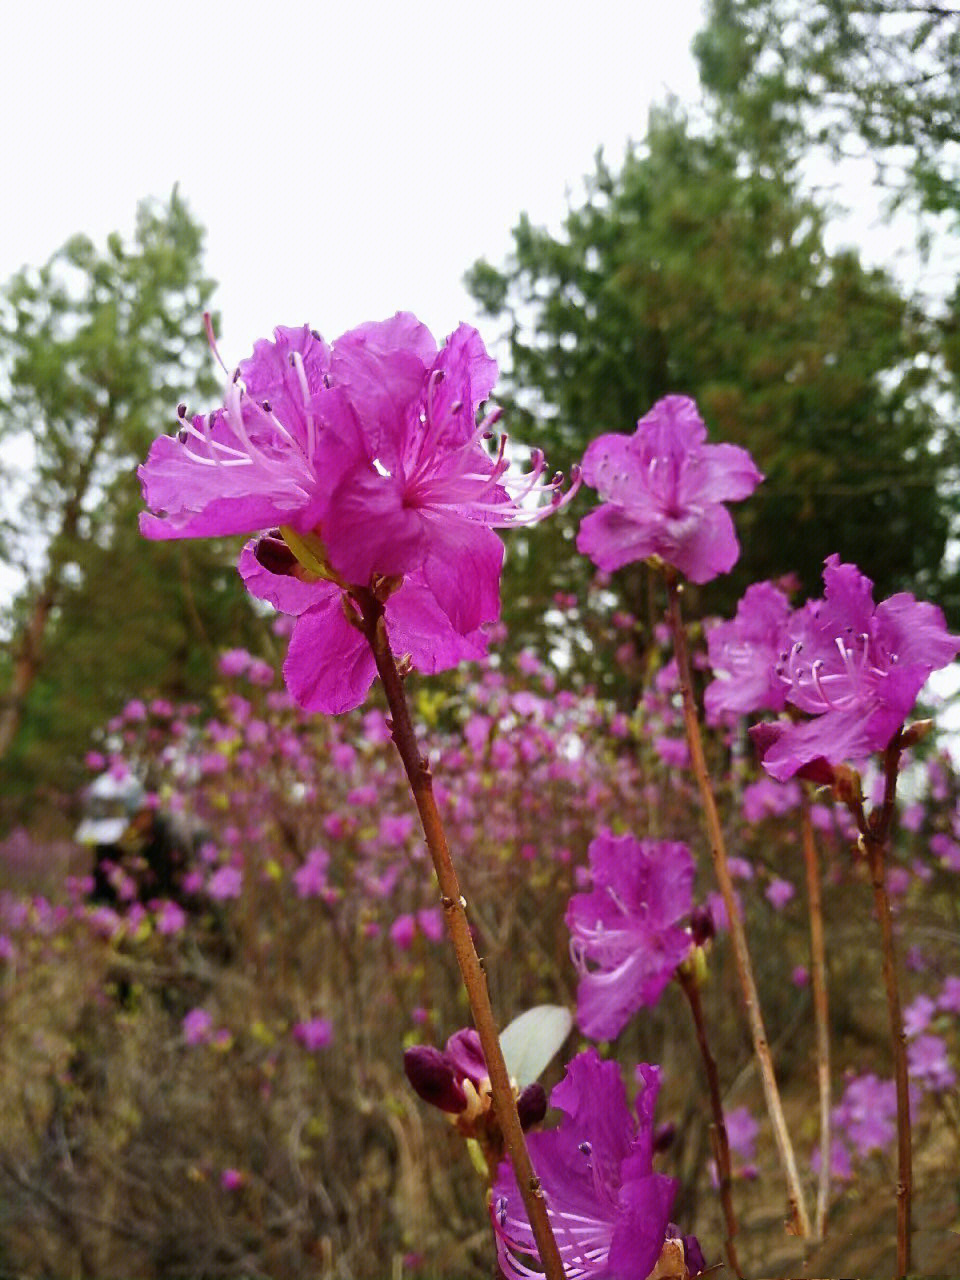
(329, 665)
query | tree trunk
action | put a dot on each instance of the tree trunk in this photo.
(26, 664)
(29, 656)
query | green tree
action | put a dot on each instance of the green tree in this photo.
(96, 349)
(686, 271)
(873, 76)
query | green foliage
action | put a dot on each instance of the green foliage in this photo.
(688, 272)
(96, 349)
(880, 75)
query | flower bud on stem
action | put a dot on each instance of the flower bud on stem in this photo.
(800, 1221)
(418, 774)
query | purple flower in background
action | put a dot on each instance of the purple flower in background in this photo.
(403, 931)
(949, 998)
(742, 1130)
(608, 1209)
(311, 878)
(917, 1015)
(867, 1113)
(197, 1026)
(857, 668)
(624, 934)
(841, 1167)
(314, 1034)
(929, 1064)
(743, 654)
(663, 490)
(778, 893)
(225, 883)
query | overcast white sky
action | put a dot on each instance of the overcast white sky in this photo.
(348, 160)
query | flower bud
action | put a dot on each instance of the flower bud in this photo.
(702, 925)
(664, 1136)
(532, 1105)
(433, 1077)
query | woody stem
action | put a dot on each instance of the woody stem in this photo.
(818, 974)
(454, 906)
(718, 1133)
(744, 968)
(874, 836)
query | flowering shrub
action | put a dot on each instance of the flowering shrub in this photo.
(261, 934)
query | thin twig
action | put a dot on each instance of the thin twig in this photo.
(818, 974)
(800, 1220)
(874, 837)
(471, 969)
(718, 1130)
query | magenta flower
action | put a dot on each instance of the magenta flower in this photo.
(625, 939)
(608, 1209)
(664, 490)
(857, 668)
(930, 1065)
(867, 1112)
(197, 1026)
(368, 456)
(314, 1034)
(264, 459)
(779, 892)
(917, 1016)
(743, 654)
(949, 998)
(742, 1129)
(227, 882)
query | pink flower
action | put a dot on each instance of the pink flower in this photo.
(430, 921)
(857, 668)
(225, 883)
(231, 1179)
(608, 1209)
(170, 917)
(311, 878)
(196, 1026)
(368, 456)
(778, 893)
(403, 931)
(949, 998)
(930, 1065)
(744, 653)
(625, 938)
(664, 490)
(314, 1034)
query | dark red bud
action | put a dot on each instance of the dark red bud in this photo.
(663, 1139)
(432, 1075)
(275, 556)
(532, 1105)
(702, 925)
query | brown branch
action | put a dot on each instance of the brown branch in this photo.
(718, 1130)
(818, 974)
(800, 1221)
(874, 837)
(454, 906)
